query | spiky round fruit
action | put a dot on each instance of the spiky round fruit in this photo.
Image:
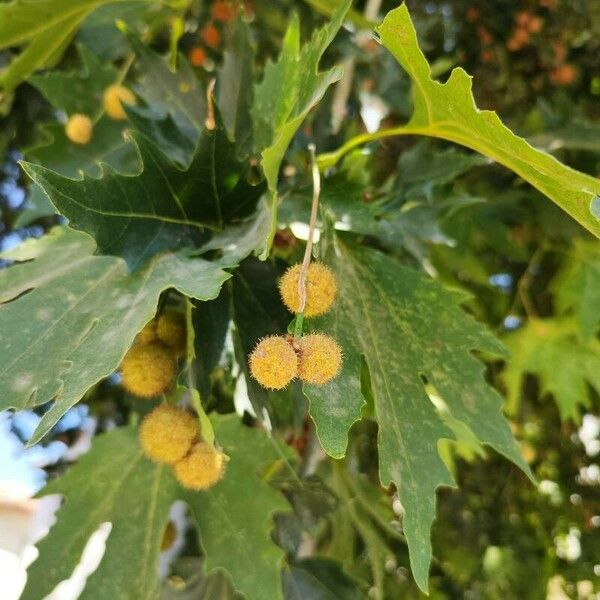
(320, 358)
(171, 331)
(167, 433)
(79, 129)
(201, 468)
(321, 288)
(114, 96)
(273, 362)
(148, 370)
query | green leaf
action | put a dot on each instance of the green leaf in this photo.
(319, 579)
(409, 331)
(211, 321)
(197, 586)
(422, 169)
(177, 93)
(87, 308)
(113, 483)
(44, 27)
(448, 111)
(551, 349)
(163, 132)
(57, 153)
(328, 7)
(44, 50)
(108, 145)
(235, 518)
(163, 207)
(79, 91)
(290, 88)
(234, 92)
(576, 287)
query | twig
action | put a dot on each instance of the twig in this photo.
(524, 284)
(209, 122)
(311, 228)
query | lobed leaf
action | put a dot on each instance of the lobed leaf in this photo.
(552, 350)
(448, 111)
(78, 91)
(163, 207)
(235, 518)
(134, 495)
(417, 344)
(44, 28)
(87, 308)
(289, 89)
(115, 484)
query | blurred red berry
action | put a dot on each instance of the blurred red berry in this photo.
(223, 12)
(197, 57)
(211, 36)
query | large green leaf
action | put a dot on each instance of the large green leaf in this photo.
(235, 86)
(235, 518)
(319, 579)
(176, 93)
(448, 111)
(135, 496)
(576, 287)
(44, 28)
(290, 88)
(86, 308)
(413, 337)
(79, 91)
(113, 483)
(552, 350)
(163, 207)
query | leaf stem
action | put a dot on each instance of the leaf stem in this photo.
(206, 428)
(316, 176)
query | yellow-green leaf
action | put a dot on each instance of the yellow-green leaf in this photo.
(448, 111)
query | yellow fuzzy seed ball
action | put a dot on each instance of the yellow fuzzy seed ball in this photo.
(320, 358)
(202, 468)
(171, 331)
(321, 288)
(168, 433)
(114, 96)
(79, 129)
(273, 362)
(148, 370)
(148, 334)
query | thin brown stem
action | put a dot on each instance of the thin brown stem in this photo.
(209, 122)
(311, 227)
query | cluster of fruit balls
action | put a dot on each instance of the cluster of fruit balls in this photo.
(222, 12)
(79, 127)
(169, 434)
(315, 358)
